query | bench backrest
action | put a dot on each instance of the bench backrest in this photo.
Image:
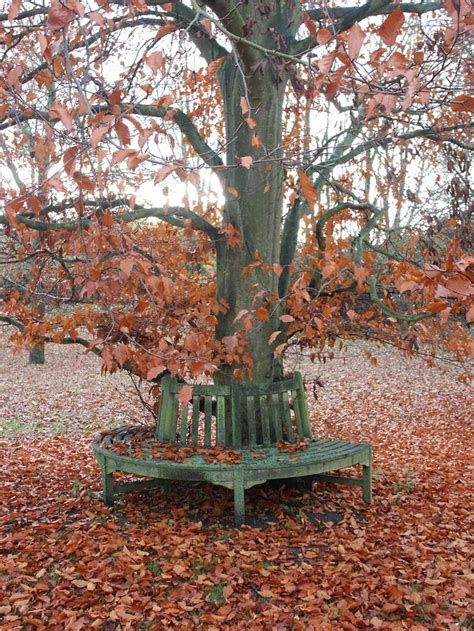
(272, 412)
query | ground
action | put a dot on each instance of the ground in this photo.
(323, 560)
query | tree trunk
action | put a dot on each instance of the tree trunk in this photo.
(36, 355)
(256, 213)
(254, 203)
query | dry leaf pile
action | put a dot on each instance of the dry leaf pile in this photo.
(322, 560)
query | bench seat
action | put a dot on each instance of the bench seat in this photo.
(308, 462)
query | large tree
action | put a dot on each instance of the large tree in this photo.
(199, 184)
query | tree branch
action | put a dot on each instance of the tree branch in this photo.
(433, 133)
(66, 340)
(184, 123)
(209, 48)
(246, 46)
(9, 320)
(372, 283)
(176, 216)
(347, 16)
(407, 7)
(24, 14)
(289, 241)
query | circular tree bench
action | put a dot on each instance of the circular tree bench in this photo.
(200, 437)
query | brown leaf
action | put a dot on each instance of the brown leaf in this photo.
(355, 41)
(185, 394)
(308, 189)
(59, 16)
(391, 26)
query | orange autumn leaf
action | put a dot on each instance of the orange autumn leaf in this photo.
(262, 314)
(307, 188)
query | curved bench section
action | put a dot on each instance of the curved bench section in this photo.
(136, 451)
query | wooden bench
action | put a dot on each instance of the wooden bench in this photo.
(274, 443)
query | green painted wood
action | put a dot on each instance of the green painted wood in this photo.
(201, 390)
(228, 422)
(168, 411)
(207, 421)
(239, 498)
(297, 411)
(321, 456)
(251, 424)
(236, 426)
(278, 391)
(107, 486)
(183, 429)
(303, 406)
(164, 402)
(221, 426)
(265, 420)
(268, 468)
(269, 388)
(285, 409)
(172, 420)
(195, 421)
(269, 419)
(275, 408)
(367, 480)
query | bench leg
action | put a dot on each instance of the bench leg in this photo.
(367, 483)
(107, 486)
(305, 484)
(239, 499)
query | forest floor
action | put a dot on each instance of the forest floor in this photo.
(322, 560)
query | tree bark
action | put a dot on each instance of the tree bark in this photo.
(36, 355)
(259, 83)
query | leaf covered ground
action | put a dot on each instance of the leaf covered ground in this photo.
(321, 560)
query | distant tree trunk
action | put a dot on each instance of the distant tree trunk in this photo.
(37, 351)
(37, 354)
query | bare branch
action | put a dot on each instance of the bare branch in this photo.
(433, 133)
(407, 7)
(24, 14)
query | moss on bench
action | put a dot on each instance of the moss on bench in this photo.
(204, 439)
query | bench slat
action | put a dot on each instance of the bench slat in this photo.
(164, 402)
(294, 401)
(251, 425)
(235, 413)
(265, 420)
(221, 429)
(285, 406)
(270, 388)
(173, 420)
(195, 421)
(303, 407)
(169, 415)
(183, 430)
(275, 407)
(202, 390)
(207, 421)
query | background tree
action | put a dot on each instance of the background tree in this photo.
(220, 179)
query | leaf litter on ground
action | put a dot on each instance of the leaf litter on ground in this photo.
(160, 559)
